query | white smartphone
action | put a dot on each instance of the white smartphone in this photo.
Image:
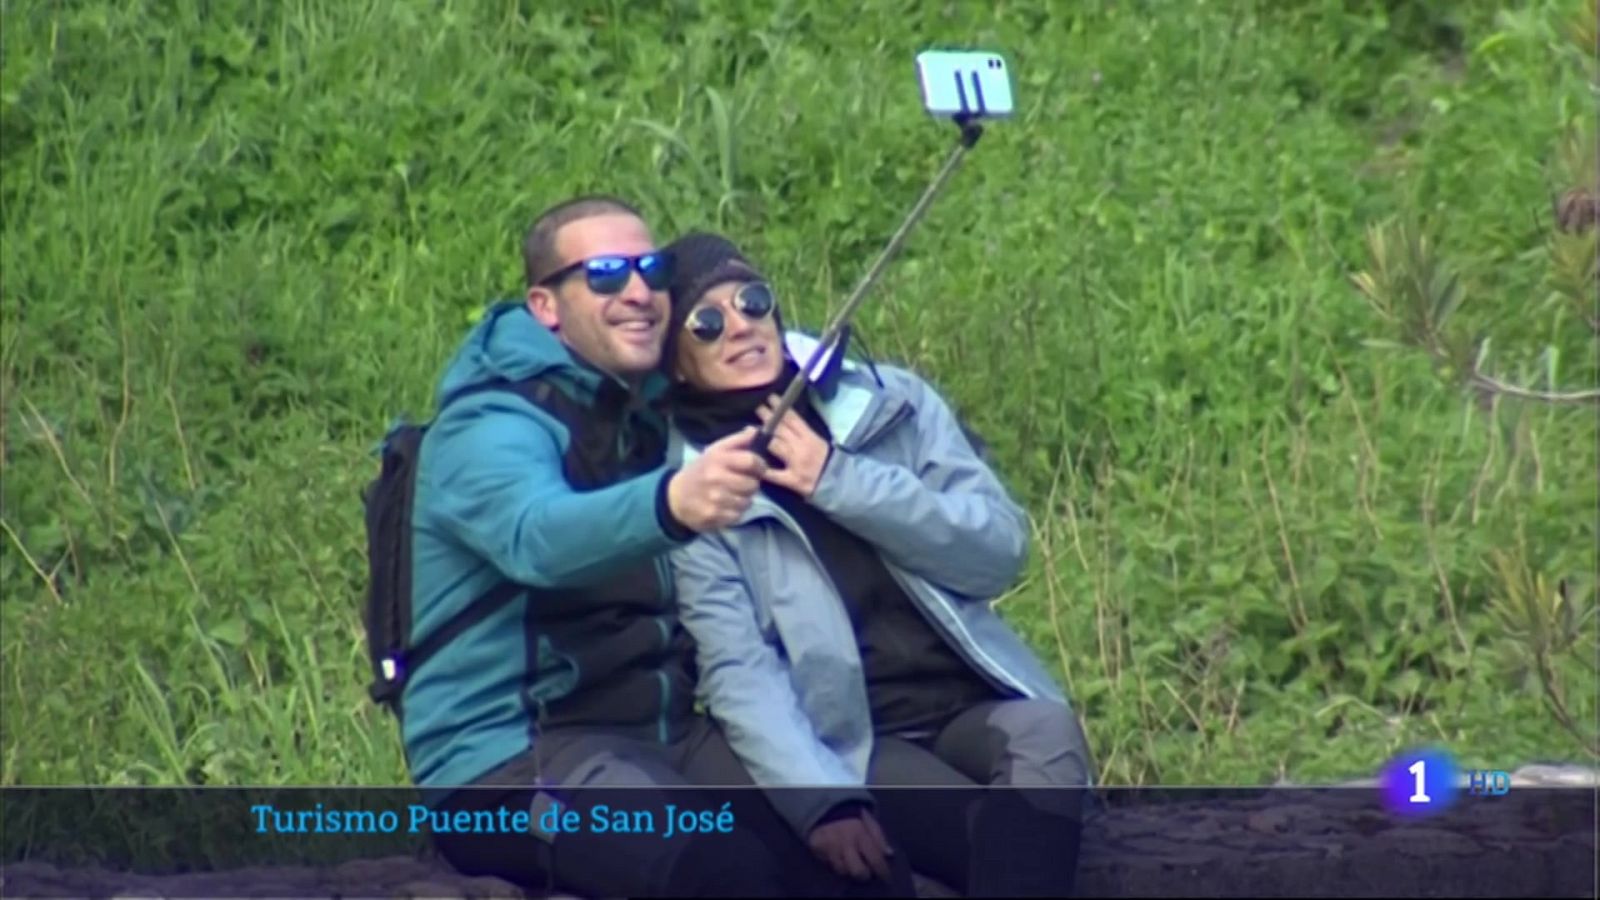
(962, 83)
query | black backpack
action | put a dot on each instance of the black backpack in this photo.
(388, 500)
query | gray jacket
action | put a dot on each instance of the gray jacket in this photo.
(779, 666)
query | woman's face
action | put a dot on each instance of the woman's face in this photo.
(732, 340)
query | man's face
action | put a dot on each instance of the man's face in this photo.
(619, 332)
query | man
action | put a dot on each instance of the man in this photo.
(557, 484)
(843, 623)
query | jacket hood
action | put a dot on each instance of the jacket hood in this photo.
(510, 343)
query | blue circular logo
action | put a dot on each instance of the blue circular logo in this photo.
(1419, 782)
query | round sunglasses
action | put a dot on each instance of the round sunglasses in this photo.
(754, 301)
(610, 274)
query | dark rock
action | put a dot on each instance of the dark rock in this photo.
(431, 890)
(491, 889)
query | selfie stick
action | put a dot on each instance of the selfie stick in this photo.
(970, 132)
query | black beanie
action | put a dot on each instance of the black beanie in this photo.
(701, 260)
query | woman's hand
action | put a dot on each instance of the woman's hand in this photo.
(802, 451)
(853, 846)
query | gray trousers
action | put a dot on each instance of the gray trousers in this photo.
(1019, 841)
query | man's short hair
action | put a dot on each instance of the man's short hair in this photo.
(539, 256)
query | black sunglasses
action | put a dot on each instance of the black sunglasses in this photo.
(610, 274)
(754, 301)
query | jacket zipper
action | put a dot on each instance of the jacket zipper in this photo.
(970, 645)
(663, 583)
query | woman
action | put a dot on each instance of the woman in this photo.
(844, 626)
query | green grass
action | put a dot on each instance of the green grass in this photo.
(241, 237)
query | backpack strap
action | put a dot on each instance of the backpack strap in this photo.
(397, 667)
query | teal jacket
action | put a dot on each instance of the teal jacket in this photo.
(492, 503)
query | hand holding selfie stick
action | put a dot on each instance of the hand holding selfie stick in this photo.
(970, 132)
